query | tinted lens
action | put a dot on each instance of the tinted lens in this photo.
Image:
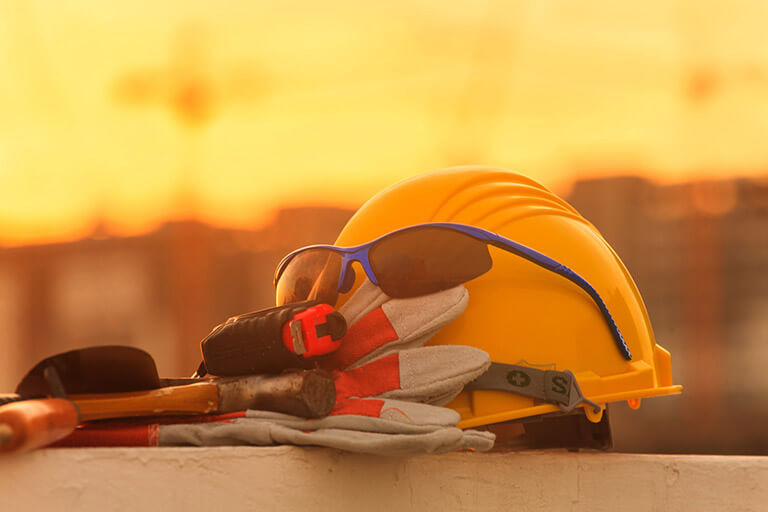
(427, 260)
(310, 275)
(103, 369)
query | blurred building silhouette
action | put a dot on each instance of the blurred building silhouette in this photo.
(699, 255)
(162, 292)
(698, 252)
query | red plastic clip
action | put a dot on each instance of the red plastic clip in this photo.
(305, 333)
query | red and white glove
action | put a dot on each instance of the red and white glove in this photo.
(389, 387)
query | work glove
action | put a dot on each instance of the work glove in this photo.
(389, 387)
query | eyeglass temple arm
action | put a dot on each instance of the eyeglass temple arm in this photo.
(555, 266)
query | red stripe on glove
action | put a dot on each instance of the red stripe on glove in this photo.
(366, 335)
(372, 379)
(366, 407)
(135, 431)
(137, 435)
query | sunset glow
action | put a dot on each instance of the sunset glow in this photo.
(127, 114)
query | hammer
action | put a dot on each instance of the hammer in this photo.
(26, 424)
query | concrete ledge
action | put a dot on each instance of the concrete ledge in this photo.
(289, 478)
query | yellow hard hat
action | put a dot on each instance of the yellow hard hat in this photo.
(519, 313)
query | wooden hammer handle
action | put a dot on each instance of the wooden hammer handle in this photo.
(30, 424)
(199, 398)
(305, 393)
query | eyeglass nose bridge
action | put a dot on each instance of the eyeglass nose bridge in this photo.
(360, 256)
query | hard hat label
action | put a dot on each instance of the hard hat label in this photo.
(558, 387)
(518, 378)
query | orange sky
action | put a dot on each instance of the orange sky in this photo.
(327, 102)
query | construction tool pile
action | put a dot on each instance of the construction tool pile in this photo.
(355, 357)
(292, 374)
(258, 361)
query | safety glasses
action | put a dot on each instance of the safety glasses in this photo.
(412, 261)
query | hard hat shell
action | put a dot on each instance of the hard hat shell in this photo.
(518, 312)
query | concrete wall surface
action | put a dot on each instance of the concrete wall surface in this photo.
(315, 479)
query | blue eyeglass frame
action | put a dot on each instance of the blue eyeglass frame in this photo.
(359, 253)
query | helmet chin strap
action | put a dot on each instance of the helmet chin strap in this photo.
(557, 387)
